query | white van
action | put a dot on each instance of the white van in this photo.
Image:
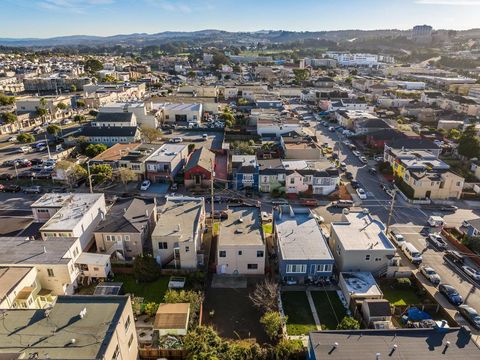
(436, 221)
(412, 253)
(397, 238)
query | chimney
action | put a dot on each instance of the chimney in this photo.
(44, 249)
(377, 356)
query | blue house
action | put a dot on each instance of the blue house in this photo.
(473, 228)
(303, 250)
(245, 172)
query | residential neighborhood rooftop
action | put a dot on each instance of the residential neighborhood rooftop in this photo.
(241, 228)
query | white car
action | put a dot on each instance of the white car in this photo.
(176, 140)
(361, 193)
(331, 128)
(430, 274)
(145, 185)
(473, 273)
(12, 139)
(363, 159)
(356, 153)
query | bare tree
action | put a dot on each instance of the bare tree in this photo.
(151, 134)
(265, 296)
(126, 175)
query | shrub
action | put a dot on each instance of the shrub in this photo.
(146, 269)
(272, 323)
(150, 309)
(348, 323)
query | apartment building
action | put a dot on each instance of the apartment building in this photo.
(175, 112)
(241, 246)
(177, 237)
(165, 162)
(359, 243)
(142, 112)
(69, 215)
(76, 327)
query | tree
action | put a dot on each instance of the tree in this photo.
(191, 74)
(145, 269)
(73, 88)
(150, 308)
(219, 58)
(289, 349)
(203, 343)
(79, 118)
(454, 134)
(109, 78)
(9, 118)
(151, 134)
(93, 150)
(348, 323)
(25, 138)
(54, 130)
(300, 75)
(126, 175)
(195, 298)
(41, 113)
(469, 144)
(265, 296)
(62, 106)
(80, 104)
(272, 323)
(71, 172)
(6, 100)
(101, 173)
(93, 65)
(245, 350)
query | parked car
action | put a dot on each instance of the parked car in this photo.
(221, 215)
(473, 273)
(363, 159)
(372, 171)
(430, 274)
(309, 202)
(349, 175)
(174, 187)
(145, 185)
(378, 158)
(397, 238)
(455, 257)
(6, 176)
(266, 217)
(471, 315)
(331, 128)
(279, 202)
(27, 174)
(24, 164)
(448, 208)
(343, 166)
(361, 193)
(438, 241)
(34, 189)
(451, 294)
(12, 188)
(176, 140)
(412, 253)
(36, 161)
(12, 139)
(356, 153)
(44, 174)
(342, 204)
(355, 184)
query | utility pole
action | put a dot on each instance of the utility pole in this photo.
(89, 177)
(390, 213)
(48, 147)
(212, 174)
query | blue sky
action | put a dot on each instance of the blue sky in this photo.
(46, 18)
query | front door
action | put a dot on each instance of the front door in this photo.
(198, 179)
(312, 269)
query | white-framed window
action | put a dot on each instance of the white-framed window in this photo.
(163, 245)
(292, 180)
(248, 177)
(151, 167)
(126, 237)
(296, 268)
(135, 166)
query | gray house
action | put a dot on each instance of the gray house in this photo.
(302, 249)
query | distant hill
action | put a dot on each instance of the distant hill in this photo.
(212, 35)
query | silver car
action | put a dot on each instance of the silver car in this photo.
(430, 274)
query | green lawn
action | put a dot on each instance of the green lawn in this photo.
(327, 316)
(153, 291)
(400, 296)
(296, 307)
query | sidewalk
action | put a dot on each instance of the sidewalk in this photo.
(314, 310)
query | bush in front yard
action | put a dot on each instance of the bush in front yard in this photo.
(348, 323)
(146, 269)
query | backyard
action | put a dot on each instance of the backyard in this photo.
(297, 309)
(400, 293)
(330, 309)
(150, 291)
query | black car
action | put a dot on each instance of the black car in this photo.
(349, 175)
(355, 184)
(451, 294)
(6, 176)
(12, 188)
(27, 174)
(372, 171)
(471, 315)
(454, 256)
(36, 161)
(222, 215)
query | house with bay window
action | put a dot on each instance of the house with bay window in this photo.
(312, 181)
(271, 175)
(303, 251)
(165, 162)
(245, 172)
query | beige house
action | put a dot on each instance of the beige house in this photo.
(241, 246)
(434, 185)
(126, 228)
(177, 237)
(76, 327)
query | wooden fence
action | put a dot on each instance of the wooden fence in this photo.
(460, 247)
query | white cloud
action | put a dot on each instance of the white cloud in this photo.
(74, 6)
(449, 2)
(174, 6)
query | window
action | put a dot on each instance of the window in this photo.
(367, 257)
(292, 180)
(130, 341)
(187, 248)
(162, 245)
(296, 268)
(42, 210)
(248, 177)
(240, 252)
(50, 273)
(151, 167)
(259, 253)
(252, 266)
(378, 259)
(126, 237)
(222, 253)
(135, 166)
(95, 268)
(127, 323)
(116, 353)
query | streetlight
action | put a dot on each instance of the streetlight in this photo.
(89, 177)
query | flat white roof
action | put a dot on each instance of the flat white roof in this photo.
(360, 284)
(181, 107)
(93, 259)
(72, 208)
(166, 153)
(360, 231)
